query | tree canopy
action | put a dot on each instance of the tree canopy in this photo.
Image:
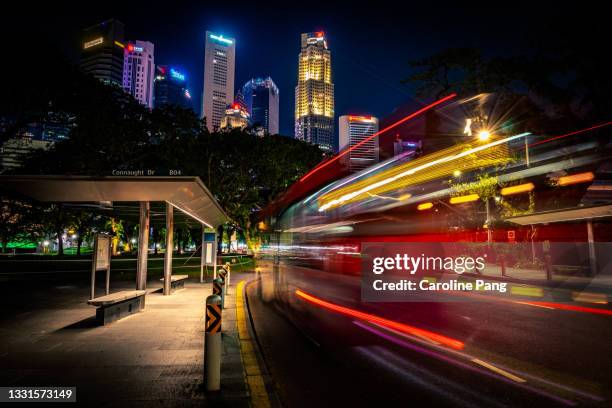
(111, 131)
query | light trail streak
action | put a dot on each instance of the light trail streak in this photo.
(571, 134)
(399, 122)
(576, 179)
(404, 328)
(465, 365)
(521, 188)
(414, 170)
(571, 308)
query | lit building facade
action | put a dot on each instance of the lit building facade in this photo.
(171, 88)
(354, 129)
(314, 93)
(15, 149)
(262, 101)
(236, 116)
(219, 67)
(102, 49)
(139, 71)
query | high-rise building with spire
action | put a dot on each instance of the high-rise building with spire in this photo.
(314, 93)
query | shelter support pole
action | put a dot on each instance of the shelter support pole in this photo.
(215, 257)
(592, 254)
(143, 246)
(202, 254)
(169, 248)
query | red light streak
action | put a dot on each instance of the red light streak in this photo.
(399, 122)
(404, 328)
(571, 133)
(571, 308)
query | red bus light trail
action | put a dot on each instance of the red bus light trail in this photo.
(399, 122)
(571, 134)
(572, 308)
(404, 328)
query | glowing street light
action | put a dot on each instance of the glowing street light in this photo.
(484, 135)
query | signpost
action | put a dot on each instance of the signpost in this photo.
(101, 261)
(209, 253)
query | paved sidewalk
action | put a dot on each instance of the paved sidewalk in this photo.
(153, 358)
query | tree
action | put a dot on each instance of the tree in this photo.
(56, 218)
(84, 224)
(17, 221)
(111, 131)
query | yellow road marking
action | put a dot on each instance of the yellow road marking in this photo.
(257, 388)
(499, 371)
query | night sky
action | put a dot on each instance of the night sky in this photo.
(371, 45)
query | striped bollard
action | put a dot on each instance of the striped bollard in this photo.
(228, 269)
(218, 290)
(212, 344)
(222, 273)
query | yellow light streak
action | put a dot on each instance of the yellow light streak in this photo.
(424, 206)
(464, 199)
(426, 168)
(576, 178)
(521, 188)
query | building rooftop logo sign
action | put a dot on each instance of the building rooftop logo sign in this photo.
(93, 43)
(220, 39)
(177, 75)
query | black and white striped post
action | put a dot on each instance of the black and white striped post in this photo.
(212, 344)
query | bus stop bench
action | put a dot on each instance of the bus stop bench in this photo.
(118, 305)
(177, 282)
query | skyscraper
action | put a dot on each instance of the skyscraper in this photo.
(171, 88)
(314, 93)
(261, 97)
(139, 71)
(102, 51)
(219, 66)
(353, 130)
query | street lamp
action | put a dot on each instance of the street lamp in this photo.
(484, 135)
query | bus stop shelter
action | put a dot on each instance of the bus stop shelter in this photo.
(133, 196)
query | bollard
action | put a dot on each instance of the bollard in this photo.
(502, 263)
(212, 344)
(218, 289)
(222, 274)
(223, 289)
(228, 269)
(548, 266)
(259, 283)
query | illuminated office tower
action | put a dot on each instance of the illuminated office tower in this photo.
(353, 130)
(171, 88)
(139, 71)
(314, 93)
(219, 65)
(102, 51)
(261, 97)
